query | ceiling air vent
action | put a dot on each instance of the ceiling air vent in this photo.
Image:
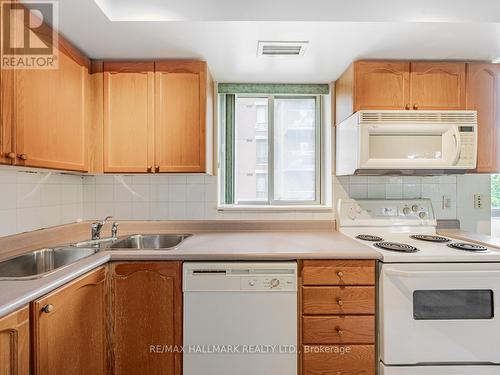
(281, 48)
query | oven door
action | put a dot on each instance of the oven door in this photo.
(439, 370)
(439, 313)
(409, 146)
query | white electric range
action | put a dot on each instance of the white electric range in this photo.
(439, 298)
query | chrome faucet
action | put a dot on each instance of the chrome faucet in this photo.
(114, 230)
(96, 228)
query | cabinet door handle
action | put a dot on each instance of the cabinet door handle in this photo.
(157, 168)
(149, 169)
(10, 155)
(407, 107)
(49, 308)
(23, 156)
(415, 106)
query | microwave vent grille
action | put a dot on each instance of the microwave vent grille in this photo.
(422, 117)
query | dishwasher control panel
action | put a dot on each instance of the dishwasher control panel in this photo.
(239, 276)
(268, 283)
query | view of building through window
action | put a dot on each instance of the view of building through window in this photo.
(276, 156)
(251, 149)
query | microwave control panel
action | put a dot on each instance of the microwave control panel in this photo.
(467, 148)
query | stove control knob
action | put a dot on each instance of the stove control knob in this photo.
(422, 215)
(352, 215)
(251, 283)
(274, 283)
(406, 210)
(414, 208)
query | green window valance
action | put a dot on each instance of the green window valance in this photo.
(274, 88)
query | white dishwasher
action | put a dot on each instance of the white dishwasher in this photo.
(240, 318)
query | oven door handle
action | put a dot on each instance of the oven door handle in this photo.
(420, 274)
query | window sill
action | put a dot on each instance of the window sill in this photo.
(304, 208)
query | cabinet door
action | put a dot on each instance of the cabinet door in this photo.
(69, 327)
(146, 306)
(482, 96)
(128, 116)
(437, 85)
(15, 343)
(50, 112)
(381, 85)
(180, 116)
(7, 150)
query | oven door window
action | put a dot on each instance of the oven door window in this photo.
(452, 304)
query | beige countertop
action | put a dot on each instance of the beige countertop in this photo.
(217, 246)
(479, 238)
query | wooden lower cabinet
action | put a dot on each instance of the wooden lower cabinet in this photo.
(337, 317)
(15, 343)
(146, 310)
(339, 360)
(69, 328)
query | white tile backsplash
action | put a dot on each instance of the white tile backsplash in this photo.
(169, 197)
(33, 200)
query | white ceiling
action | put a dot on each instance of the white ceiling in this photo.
(225, 34)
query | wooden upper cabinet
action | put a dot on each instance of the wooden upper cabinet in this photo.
(146, 306)
(483, 87)
(180, 121)
(128, 116)
(69, 328)
(7, 150)
(50, 112)
(15, 343)
(381, 85)
(399, 85)
(437, 85)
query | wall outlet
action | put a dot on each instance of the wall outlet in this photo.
(478, 200)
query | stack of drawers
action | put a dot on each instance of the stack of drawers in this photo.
(338, 317)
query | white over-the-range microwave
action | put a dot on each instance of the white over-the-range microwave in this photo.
(375, 142)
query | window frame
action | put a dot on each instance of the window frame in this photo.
(319, 152)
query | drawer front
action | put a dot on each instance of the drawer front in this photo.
(338, 300)
(338, 272)
(338, 329)
(330, 360)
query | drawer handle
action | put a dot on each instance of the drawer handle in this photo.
(49, 308)
(415, 106)
(340, 274)
(340, 302)
(340, 332)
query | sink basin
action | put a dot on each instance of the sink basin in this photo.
(41, 262)
(149, 242)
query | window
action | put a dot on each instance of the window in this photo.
(272, 150)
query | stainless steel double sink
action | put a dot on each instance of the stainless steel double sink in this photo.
(42, 262)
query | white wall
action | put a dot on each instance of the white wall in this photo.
(34, 200)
